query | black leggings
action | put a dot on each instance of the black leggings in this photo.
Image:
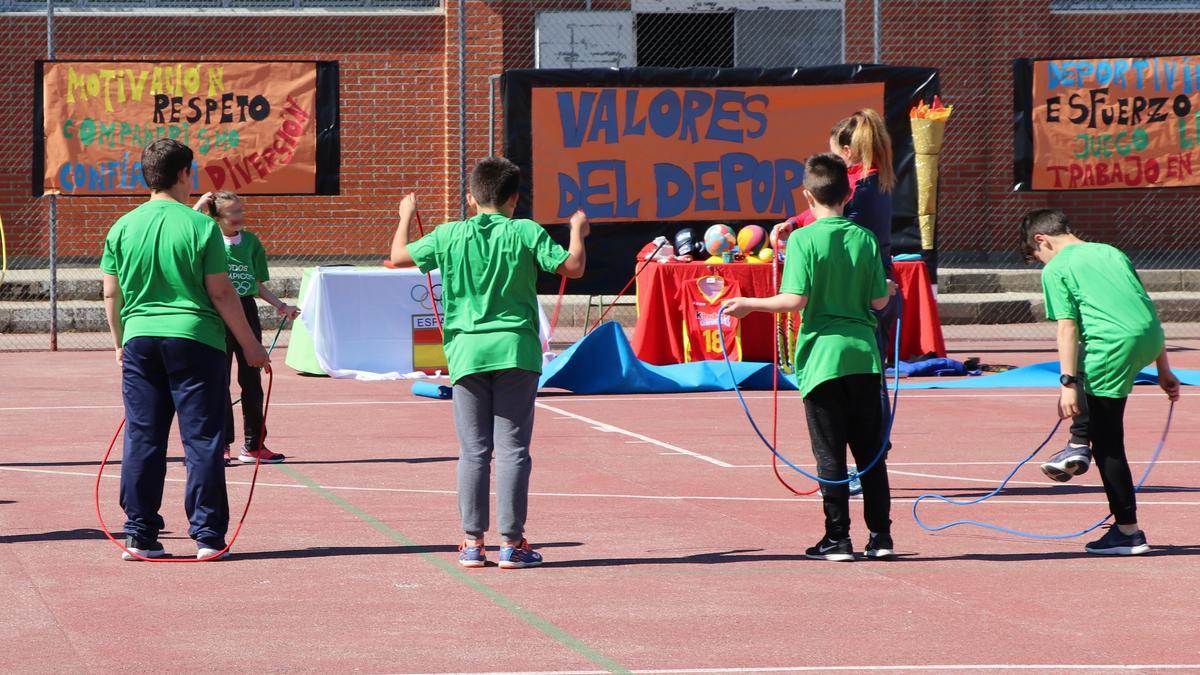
(1106, 431)
(1079, 423)
(249, 381)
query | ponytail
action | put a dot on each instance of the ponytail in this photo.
(867, 136)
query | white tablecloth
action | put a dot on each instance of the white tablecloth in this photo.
(362, 320)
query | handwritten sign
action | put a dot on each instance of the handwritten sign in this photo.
(682, 153)
(1113, 123)
(252, 126)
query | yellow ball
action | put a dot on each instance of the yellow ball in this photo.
(766, 255)
(755, 260)
(715, 260)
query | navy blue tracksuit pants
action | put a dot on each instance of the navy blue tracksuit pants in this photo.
(162, 376)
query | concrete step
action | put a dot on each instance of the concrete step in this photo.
(954, 309)
(957, 281)
(84, 283)
(83, 316)
(965, 296)
(1004, 308)
(88, 315)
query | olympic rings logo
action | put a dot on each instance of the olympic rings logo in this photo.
(420, 295)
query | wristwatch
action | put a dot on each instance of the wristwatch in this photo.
(1067, 380)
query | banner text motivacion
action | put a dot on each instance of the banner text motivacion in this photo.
(251, 124)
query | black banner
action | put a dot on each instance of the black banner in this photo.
(613, 245)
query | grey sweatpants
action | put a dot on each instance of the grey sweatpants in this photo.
(494, 411)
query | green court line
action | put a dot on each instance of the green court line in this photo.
(561, 636)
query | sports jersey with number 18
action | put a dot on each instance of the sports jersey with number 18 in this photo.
(702, 336)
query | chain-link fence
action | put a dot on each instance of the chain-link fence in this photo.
(986, 291)
(420, 102)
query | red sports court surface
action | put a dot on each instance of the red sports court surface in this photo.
(669, 545)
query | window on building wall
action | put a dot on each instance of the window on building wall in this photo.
(210, 5)
(584, 40)
(1124, 5)
(771, 38)
(685, 40)
(751, 33)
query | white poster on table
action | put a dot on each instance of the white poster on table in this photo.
(378, 324)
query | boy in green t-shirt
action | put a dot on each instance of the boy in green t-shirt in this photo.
(834, 277)
(489, 265)
(248, 272)
(1095, 295)
(166, 291)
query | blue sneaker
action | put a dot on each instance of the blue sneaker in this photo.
(1114, 542)
(519, 556)
(472, 555)
(1067, 463)
(855, 484)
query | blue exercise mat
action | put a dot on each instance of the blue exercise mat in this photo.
(603, 362)
(1039, 375)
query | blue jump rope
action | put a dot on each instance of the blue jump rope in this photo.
(1032, 535)
(967, 502)
(852, 475)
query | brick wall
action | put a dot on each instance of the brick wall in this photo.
(973, 43)
(399, 127)
(400, 123)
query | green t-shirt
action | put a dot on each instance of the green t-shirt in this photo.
(160, 253)
(836, 264)
(489, 267)
(247, 264)
(1096, 285)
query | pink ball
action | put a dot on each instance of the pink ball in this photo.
(751, 238)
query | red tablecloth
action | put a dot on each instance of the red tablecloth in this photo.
(921, 326)
(658, 338)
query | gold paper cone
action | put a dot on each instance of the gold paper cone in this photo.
(927, 224)
(927, 184)
(927, 136)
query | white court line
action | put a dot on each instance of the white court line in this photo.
(923, 393)
(1046, 667)
(600, 495)
(904, 393)
(279, 404)
(990, 481)
(608, 428)
(892, 464)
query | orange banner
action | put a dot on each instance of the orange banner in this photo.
(682, 153)
(1111, 123)
(252, 125)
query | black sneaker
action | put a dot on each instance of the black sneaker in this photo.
(1068, 462)
(146, 549)
(880, 547)
(1115, 543)
(828, 549)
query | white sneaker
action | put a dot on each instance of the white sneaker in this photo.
(135, 548)
(206, 553)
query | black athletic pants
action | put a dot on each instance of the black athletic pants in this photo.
(842, 411)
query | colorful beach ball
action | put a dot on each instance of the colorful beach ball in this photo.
(718, 239)
(751, 239)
